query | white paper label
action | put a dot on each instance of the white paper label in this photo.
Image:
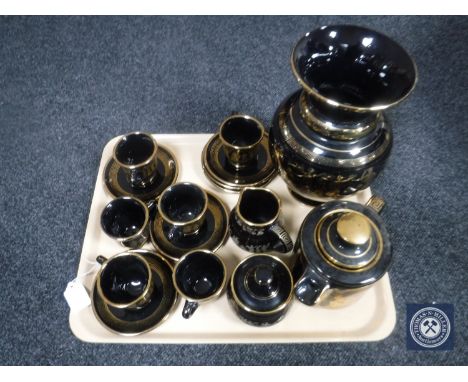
(76, 295)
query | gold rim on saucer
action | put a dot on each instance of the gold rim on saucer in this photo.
(216, 222)
(148, 317)
(118, 185)
(232, 180)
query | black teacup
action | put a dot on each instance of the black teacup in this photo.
(125, 281)
(126, 220)
(241, 136)
(184, 205)
(136, 154)
(254, 222)
(199, 276)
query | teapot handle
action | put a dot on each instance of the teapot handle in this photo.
(377, 203)
(310, 287)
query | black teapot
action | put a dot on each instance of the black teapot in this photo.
(342, 247)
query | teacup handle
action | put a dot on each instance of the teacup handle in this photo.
(189, 308)
(310, 287)
(152, 208)
(283, 241)
(101, 259)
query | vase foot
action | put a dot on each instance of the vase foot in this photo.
(306, 201)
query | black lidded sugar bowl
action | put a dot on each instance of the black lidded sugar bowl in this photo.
(342, 247)
(261, 289)
(330, 138)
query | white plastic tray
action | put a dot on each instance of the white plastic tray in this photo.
(371, 318)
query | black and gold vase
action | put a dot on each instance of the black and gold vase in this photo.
(330, 138)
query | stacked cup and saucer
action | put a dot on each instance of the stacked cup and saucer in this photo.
(238, 155)
(188, 218)
(140, 167)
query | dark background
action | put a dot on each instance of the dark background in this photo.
(68, 85)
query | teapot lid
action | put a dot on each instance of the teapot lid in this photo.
(262, 284)
(346, 241)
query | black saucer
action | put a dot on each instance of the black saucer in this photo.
(132, 322)
(118, 184)
(212, 234)
(219, 171)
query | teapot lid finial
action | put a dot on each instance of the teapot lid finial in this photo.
(354, 228)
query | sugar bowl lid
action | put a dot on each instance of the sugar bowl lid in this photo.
(346, 241)
(262, 284)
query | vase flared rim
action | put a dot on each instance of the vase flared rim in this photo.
(406, 72)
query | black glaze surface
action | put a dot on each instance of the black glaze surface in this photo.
(335, 148)
(49, 65)
(124, 279)
(257, 240)
(183, 202)
(136, 153)
(261, 283)
(122, 217)
(147, 317)
(241, 132)
(346, 254)
(251, 170)
(334, 276)
(176, 236)
(330, 139)
(199, 275)
(258, 207)
(253, 318)
(135, 315)
(118, 183)
(257, 172)
(307, 175)
(254, 223)
(354, 66)
(241, 136)
(260, 290)
(172, 242)
(134, 149)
